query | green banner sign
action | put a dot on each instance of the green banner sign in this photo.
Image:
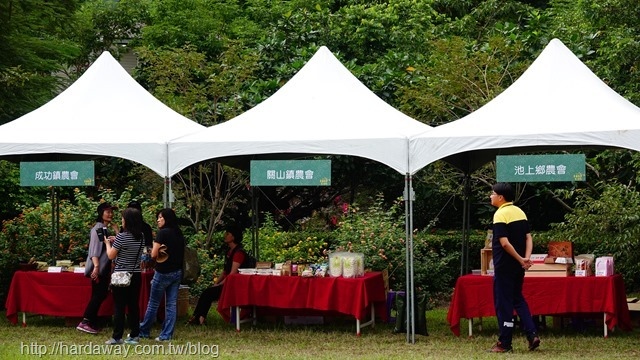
(541, 168)
(291, 172)
(57, 173)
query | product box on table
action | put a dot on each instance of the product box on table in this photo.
(584, 265)
(548, 270)
(604, 266)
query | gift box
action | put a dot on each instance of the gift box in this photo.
(560, 249)
(552, 270)
(604, 266)
(584, 265)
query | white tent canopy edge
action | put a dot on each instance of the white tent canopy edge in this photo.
(322, 109)
(557, 102)
(105, 112)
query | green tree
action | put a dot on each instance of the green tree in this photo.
(604, 36)
(33, 47)
(606, 224)
(100, 26)
(16, 198)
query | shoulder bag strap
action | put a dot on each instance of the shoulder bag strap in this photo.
(139, 250)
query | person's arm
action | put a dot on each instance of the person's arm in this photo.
(234, 267)
(112, 252)
(234, 270)
(94, 252)
(220, 280)
(529, 249)
(155, 250)
(506, 245)
(96, 267)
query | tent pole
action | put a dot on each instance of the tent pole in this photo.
(54, 246)
(407, 286)
(167, 180)
(57, 200)
(165, 192)
(413, 297)
(408, 209)
(467, 229)
(466, 213)
(254, 223)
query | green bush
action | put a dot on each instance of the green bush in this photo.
(305, 246)
(211, 263)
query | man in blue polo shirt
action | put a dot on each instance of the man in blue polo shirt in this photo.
(512, 245)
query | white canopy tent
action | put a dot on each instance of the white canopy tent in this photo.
(105, 113)
(557, 103)
(323, 109)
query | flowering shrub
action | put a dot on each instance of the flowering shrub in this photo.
(326, 218)
(276, 245)
(380, 234)
(377, 233)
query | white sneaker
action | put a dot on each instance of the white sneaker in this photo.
(113, 341)
(132, 340)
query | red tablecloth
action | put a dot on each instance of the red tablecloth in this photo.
(59, 294)
(473, 298)
(346, 296)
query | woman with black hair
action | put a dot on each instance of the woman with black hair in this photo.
(233, 260)
(98, 266)
(168, 273)
(126, 250)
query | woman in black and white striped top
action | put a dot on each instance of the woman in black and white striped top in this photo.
(126, 250)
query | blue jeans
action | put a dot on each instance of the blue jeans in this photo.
(161, 285)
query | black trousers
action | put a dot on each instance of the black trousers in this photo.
(99, 292)
(208, 296)
(126, 300)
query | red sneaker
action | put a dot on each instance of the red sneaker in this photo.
(86, 327)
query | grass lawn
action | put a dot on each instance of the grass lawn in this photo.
(335, 340)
